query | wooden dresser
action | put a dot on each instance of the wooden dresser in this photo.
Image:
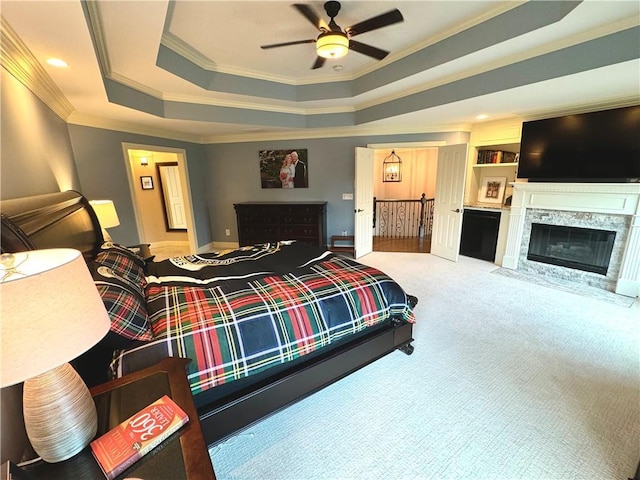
(262, 222)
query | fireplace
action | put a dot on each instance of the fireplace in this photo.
(585, 249)
(610, 207)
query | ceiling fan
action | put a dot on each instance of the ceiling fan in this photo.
(333, 42)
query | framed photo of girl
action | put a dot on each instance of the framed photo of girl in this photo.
(284, 168)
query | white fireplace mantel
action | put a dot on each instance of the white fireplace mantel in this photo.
(606, 198)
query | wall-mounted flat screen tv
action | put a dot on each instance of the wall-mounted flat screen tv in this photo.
(590, 147)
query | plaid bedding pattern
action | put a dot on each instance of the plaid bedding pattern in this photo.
(233, 326)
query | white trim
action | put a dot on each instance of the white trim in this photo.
(102, 53)
(18, 60)
(182, 48)
(86, 120)
(224, 245)
(181, 158)
(605, 198)
(434, 144)
(337, 132)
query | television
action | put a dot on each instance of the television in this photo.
(590, 147)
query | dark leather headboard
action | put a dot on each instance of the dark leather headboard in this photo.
(53, 220)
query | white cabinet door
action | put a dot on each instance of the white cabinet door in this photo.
(447, 210)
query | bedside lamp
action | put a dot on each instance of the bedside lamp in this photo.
(107, 215)
(50, 313)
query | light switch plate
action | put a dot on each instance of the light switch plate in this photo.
(347, 196)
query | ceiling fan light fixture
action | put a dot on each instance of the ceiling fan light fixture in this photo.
(332, 45)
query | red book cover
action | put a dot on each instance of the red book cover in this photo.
(127, 443)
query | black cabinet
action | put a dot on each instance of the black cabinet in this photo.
(263, 222)
(480, 234)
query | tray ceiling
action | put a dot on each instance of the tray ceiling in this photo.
(195, 70)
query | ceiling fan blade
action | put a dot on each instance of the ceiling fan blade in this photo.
(318, 63)
(310, 15)
(286, 44)
(367, 50)
(389, 18)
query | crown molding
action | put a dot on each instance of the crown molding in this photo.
(182, 48)
(584, 108)
(582, 37)
(341, 132)
(255, 136)
(96, 30)
(141, 87)
(459, 28)
(185, 50)
(356, 131)
(85, 120)
(18, 60)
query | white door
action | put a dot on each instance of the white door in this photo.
(364, 202)
(174, 202)
(447, 209)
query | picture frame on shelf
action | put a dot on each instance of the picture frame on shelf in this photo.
(492, 190)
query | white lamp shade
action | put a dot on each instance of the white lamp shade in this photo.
(106, 213)
(50, 313)
(332, 45)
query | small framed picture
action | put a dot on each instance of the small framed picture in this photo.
(492, 190)
(146, 182)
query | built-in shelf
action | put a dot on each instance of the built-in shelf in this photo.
(502, 135)
(485, 165)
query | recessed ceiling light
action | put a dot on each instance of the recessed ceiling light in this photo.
(56, 62)
(337, 68)
(482, 116)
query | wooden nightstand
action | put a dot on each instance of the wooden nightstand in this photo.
(183, 456)
(342, 244)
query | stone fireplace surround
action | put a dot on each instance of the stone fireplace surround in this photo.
(567, 203)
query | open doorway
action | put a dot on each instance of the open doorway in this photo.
(404, 200)
(161, 198)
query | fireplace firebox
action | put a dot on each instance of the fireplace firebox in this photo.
(572, 247)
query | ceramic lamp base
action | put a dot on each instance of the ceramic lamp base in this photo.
(59, 414)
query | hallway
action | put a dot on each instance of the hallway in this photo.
(402, 244)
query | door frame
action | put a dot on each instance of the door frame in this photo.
(409, 145)
(181, 159)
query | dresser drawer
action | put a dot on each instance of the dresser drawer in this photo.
(261, 222)
(293, 219)
(297, 231)
(256, 218)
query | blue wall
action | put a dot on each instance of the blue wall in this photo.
(100, 161)
(42, 154)
(233, 176)
(36, 150)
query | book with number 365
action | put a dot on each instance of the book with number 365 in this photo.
(127, 443)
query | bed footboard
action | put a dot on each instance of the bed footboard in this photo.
(227, 416)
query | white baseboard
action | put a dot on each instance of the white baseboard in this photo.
(628, 288)
(170, 244)
(225, 245)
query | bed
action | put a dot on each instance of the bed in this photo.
(265, 325)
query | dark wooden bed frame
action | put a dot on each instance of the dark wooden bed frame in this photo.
(66, 220)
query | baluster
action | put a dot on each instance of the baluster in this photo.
(423, 202)
(375, 208)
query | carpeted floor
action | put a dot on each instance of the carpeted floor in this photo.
(509, 380)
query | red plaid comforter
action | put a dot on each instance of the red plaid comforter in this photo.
(237, 313)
